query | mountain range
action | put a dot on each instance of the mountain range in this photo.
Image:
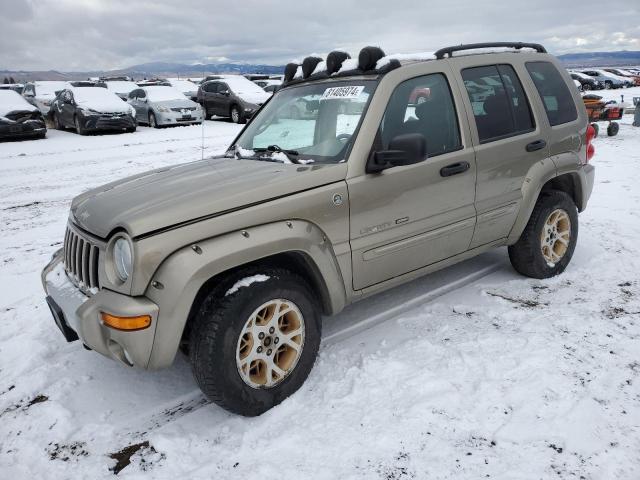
(165, 69)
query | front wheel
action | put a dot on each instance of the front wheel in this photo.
(57, 123)
(586, 87)
(608, 85)
(613, 129)
(152, 120)
(255, 339)
(236, 115)
(80, 130)
(546, 246)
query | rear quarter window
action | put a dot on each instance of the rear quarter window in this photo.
(556, 97)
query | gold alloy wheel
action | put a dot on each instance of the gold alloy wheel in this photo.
(270, 343)
(555, 236)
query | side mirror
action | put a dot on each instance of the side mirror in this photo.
(406, 149)
(225, 93)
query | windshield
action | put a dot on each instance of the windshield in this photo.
(163, 94)
(50, 88)
(120, 86)
(310, 123)
(93, 94)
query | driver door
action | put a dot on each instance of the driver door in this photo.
(408, 217)
(68, 109)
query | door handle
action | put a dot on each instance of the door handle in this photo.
(537, 145)
(454, 169)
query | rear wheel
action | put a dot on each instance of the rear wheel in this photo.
(596, 128)
(608, 85)
(546, 246)
(586, 87)
(255, 339)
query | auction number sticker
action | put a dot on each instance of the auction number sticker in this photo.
(352, 91)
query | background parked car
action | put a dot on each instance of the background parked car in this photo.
(587, 82)
(42, 94)
(18, 118)
(148, 82)
(84, 83)
(90, 109)
(160, 105)
(231, 96)
(16, 87)
(187, 87)
(609, 80)
(122, 88)
(269, 85)
(634, 78)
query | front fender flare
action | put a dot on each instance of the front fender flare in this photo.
(179, 278)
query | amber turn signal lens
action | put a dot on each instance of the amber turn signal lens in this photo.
(126, 323)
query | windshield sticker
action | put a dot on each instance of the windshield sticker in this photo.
(349, 92)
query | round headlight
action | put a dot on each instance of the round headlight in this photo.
(122, 258)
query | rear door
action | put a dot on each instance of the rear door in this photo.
(507, 135)
(67, 108)
(408, 217)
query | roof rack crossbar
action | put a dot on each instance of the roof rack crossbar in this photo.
(440, 54)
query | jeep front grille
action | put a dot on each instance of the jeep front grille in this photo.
(81, 262)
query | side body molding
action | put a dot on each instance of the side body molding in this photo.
(183, 273)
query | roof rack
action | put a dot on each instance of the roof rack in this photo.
(473, 46)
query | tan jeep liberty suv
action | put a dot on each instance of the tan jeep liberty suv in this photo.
(398, 167)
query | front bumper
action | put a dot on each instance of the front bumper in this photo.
(30, 129)
(177, 118)
(81, 314)
(109, 122)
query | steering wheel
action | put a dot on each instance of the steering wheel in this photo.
(343, 137)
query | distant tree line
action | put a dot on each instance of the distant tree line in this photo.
(8, 80)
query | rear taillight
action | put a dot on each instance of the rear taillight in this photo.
(589, 136)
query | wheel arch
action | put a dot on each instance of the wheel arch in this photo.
(190, 273)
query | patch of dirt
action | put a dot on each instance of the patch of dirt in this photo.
(63, 452)
(24, 405)
(149, 457)
(520, 301)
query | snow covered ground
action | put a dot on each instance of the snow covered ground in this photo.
(473, 372)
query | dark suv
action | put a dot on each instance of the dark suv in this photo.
(231, 96)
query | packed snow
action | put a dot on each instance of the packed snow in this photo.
(246, 282)
(100, 100)
(160, 93)
(11, 101)
(472, 372)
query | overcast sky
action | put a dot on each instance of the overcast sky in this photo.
(85, 35)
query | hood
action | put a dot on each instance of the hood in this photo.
(178, 103)
(254, 97)
(102, 106)
(186, 193)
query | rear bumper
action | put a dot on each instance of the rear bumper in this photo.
(81, 314)
(587, 176)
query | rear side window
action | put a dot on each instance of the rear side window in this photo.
(555, 94)
(500, 106)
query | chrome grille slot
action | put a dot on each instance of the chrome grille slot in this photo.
(81, 260)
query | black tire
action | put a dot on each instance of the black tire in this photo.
(152, 120)
(596, 127)
(586, 87)
(214, 336)
(57, 123)
(131, 129)
(608, 85)
(236, 114)
(206, 115)
(80, 130)
(526, 254)
(613, 129)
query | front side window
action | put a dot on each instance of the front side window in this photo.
(557, 99)
(500, 106)
(423, 105)
(314, 122)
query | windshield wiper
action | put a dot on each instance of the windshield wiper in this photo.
(291, 154)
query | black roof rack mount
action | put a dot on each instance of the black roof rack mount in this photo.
(472, 46)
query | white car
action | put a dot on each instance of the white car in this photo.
(122, 88)
(187, 87)
(42, 94)
(608, 79)
(159, 105)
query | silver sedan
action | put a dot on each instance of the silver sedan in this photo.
(160, 106)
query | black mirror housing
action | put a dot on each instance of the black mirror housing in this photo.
(405, 149)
